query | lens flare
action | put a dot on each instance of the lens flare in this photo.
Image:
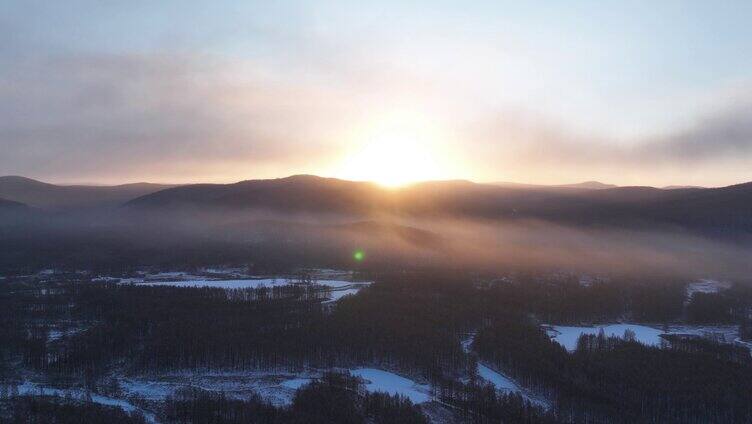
(359, 255)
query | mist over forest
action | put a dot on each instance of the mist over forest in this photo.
(392, 212)
(315, 222)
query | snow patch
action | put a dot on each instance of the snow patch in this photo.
(336, 295)
(243, 284)
(706, 286)
(383, 381)
(567, 335)
(499, 381)
(33, 389)
(296, 383)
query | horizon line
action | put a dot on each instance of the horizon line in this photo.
(408, 184)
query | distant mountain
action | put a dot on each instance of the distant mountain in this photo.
(50, 196)
(587, 185)
(590, 185)
(299, 193)
(722, 211)
(679, 187)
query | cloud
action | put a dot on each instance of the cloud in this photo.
(186, 117)
(723, 134)
(527, 143)
(108, 114)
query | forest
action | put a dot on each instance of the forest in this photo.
(70, 333)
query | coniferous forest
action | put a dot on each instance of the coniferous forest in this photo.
(437, 329)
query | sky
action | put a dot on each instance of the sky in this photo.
(550, 92)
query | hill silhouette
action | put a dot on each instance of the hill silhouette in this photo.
(51, 196)
(724, 211)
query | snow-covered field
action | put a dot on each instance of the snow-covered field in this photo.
(383, 381)
(499, 381)
(134, 394)
(222, 284)
(339, 288)
(567, 335)
(275, 387)
(247, 283)
(221, 273)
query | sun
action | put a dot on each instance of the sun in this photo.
(392, 161)
(393, 156)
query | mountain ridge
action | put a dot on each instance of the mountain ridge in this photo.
(724, 209)
(45, 195)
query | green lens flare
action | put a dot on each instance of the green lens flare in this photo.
(359, 255)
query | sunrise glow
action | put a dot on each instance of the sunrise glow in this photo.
(396, 149)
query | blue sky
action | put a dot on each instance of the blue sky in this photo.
(633, 92)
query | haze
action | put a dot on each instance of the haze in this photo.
(392, 92)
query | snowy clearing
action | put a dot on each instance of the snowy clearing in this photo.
(243, 284)
(383, 381)
(277, 387)
(499, 381)
(222, 284)
(567, 335)
(336, 295)
(296, 383)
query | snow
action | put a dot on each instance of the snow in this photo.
(718, 333)
(336, 295)
(57, 334)
(242, 284)
(222, 270)
(567, 336)
(295, 383)
(223, 284)
(33, 389)
(103, 400)
(467, 342)
(152, 390)
(383, 381)
(105, 280)
(277, 387)
(173, 274)
(499, 381)
(706, 286)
